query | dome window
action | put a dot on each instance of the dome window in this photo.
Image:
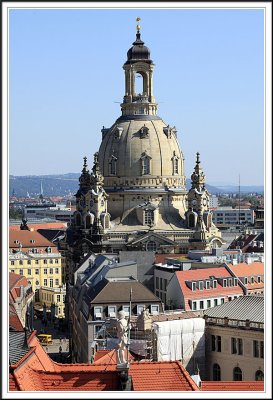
(145, 164)
(113, 166)
(169, 131)
(175, 163)
(118, 132)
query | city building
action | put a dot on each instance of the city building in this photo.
(135, 197)
(251, 274)
(232, 216)
(213, 201)
(93, 303)
(21, 298)
(251, 241)
(39, 260)
(204, 288)
(235, 340)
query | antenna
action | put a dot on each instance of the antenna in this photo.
(129, 328)
(239, 203)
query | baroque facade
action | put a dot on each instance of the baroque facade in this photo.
(135, 197)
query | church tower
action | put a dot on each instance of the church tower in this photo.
(199, 216)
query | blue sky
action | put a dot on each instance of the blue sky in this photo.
(66, 81)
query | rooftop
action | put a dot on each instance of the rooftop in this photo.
(243, 308)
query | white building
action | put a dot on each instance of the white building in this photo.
(230, 216)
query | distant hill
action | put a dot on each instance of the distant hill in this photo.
(65, 184)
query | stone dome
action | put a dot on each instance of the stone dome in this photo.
(141, 151)
(138, 51)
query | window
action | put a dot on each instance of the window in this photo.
(56, 282)
(12, 270)
(208, 303)
(51, 261)
(194, 305)
(245, 280)
(50, 282)
(49, 250)
(259, 279)
(29, 262)
(224, 283)
(255, 348)
(98, 312)
(154, 309)
(165, 284)
(222, 301)
(140, 308)
(237, 374)
(12, 262)
(36, 261)
(126, 309)
(113, 166)
(51, 271)
(21, 262)
(237, 346)
(151, 246)
(207, 284)
(262, 349)
(216, 343)
(148, 217)
(216, 372)
(145, 165)
(45, 271)
(157, 282)
(252, 279)
(56, 261)
(193, 285)
(201, 285)
(235, 281)
(215, 302)
(45, 282)
(21, 272)
(214, 283)
(45, 261)
(161, 283)
(259, 375)
(36, 271)
(29, 271)
(58, 298)
(201, 305)
(56, 270)
(112, 311)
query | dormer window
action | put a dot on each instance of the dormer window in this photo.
(148, 217)
(245, 280)
(193, 286)
(235, 281)
(98, 312)
(214, 283)
(144, 132)
(118, 132)
(207, 284)
(224, 283)
(201, 285)
(32, 241)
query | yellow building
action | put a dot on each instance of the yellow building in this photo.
(56, 296)
(38, 259)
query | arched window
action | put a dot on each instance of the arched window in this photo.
(78, 219)
(237, 374)
(216, 372)
(113, 166)
(259, 375)
(151, 246)
(148, 217)
(145, 165)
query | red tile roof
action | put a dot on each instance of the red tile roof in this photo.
(204, 274)
(161, 376)
(36, 371)
(244, 269)
(232, 386)
(14, 321)
(35, 227)
(110, 357)
(25, 238)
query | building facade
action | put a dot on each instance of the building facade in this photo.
(235, 340)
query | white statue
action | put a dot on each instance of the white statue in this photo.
(122, 334)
